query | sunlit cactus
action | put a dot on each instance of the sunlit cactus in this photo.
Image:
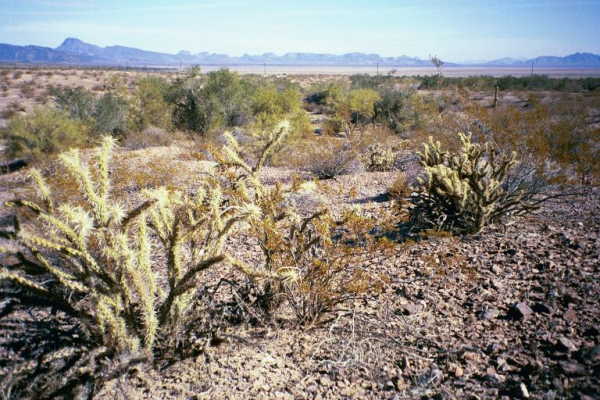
(465, 191)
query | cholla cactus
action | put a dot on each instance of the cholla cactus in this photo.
(98, 263)
(379, 158)
(463, 192)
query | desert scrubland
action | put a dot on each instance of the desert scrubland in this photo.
(208, 234)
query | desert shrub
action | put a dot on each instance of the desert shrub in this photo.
(523, 83)
(149, 137)
(433, 82)
(148, 105)
(110, 115)
(399, 110)
(557, 132)
(463, 192)
(98, 264)
(77, 102)
(379, 157)
(105, 115)
(202, 105)
(44, 132)
(269, 106)
(311, 262)
(17, 75)
(27, 89)
(322, 272)
(329, 158)
(324, 98)
(355, 109)
(12, 109)
(400, 189)
(366, 81)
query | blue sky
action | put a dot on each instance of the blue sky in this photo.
(455, 30)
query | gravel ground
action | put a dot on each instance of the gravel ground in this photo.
(512, 312)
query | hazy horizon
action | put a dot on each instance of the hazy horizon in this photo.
(457, 32)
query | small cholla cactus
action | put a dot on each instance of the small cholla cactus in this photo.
(128, 278)
(379, 158)
(466, 191)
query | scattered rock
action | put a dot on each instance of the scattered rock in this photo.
(325, 381)
(572, 368)
(410, 309)
(520, 311)
(593, 354)
(488, 314)
(565, 344)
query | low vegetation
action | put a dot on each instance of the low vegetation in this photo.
(168, 210)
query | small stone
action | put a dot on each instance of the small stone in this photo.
(594, 354)
(496, 284)
(312, 388)
(489, 314)
(389, 385)
(570, 315)
(572, 368)
(520, 311)
(325, 381)
(591, 331)
(524, 391)
(471, 356)
(494, 378)
(410, 309)
(566, 344)
(456, 370)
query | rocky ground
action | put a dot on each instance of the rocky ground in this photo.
(513, 312)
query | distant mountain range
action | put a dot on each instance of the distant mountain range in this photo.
(75, 51)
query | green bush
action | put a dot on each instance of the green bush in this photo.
(365, 81)
(394, 111)
(110, 115)
(148, 105)
(77, 102)
(105, 115)
(44, 132)
(356, 108)
(203, 104)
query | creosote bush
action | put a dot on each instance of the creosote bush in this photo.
(463, 192)
(44, 132)
(97, 263)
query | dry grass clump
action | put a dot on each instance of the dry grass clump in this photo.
(150, 137)
(27, 89)
(331, 157)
